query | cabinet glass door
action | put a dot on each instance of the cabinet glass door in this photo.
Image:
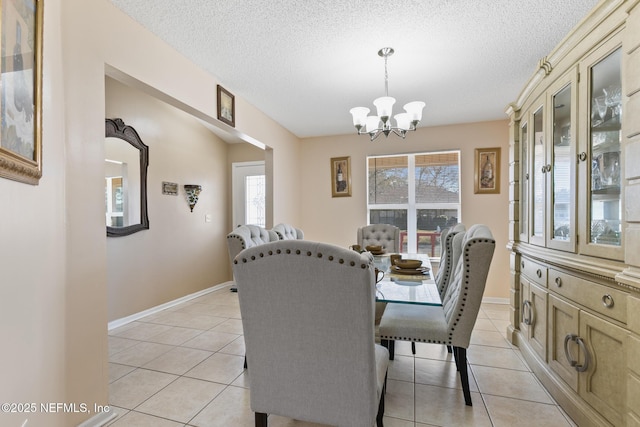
(561, 220)
(605, 210)
(561, 182)
(538, 174)
(524, 184)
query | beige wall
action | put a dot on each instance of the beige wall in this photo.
(180, 253)
(53, 298)
(335, 220)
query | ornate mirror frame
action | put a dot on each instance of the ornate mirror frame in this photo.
(117, 129)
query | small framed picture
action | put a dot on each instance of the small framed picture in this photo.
(170, 188)
(341, 177)
(487, 171)
(226, 107)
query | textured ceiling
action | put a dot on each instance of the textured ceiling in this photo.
(305, 63)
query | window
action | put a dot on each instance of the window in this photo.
(254, 199)
(419, 193)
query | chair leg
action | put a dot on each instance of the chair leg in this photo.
(461, 362)
(454, 350)
(381, 404)
(261, 419)
(413, 347)
(449, 350)
(391, 346)
(245, 361)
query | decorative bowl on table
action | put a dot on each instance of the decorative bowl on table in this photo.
(374, 249)
(408, 264)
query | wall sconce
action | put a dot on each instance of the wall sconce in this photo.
(192, 191)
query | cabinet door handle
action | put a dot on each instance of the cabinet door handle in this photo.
(567, 352)
(526, 309)
(522, 264)
(582, 156)
(548, 168)
(587, 356)
(539, 273)
(543, 169)
(559, 282)
(607, 300)
(583, 348)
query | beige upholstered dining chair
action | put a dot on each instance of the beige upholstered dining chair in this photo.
(385, 235)
(451, 324)
(307, 314)
(288, 232)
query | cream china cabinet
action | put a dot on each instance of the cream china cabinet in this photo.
(574, 163)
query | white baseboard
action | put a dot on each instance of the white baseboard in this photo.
(100, 420)
(124, 320)
(493, 300)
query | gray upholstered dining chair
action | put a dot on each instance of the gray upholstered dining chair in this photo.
(448, 257)
(247, 236)
(288, 232)
(448, 260)
(307, 314)
(451, 324)
(385, 235)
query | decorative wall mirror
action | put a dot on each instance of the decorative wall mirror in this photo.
(126, 162)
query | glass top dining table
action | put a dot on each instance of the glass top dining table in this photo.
(396, 287)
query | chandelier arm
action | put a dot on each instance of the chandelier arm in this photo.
(399, 132)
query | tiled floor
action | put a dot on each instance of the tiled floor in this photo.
(184, 367)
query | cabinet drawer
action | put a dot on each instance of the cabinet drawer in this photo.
(601, 299)
(534, 271)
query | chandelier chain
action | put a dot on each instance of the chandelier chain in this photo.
(386, 77)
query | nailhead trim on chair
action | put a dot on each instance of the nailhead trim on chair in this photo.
(233, 236)
(319, 255)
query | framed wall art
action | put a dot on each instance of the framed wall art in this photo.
(226, 107)
(21, 90)
(170, 188)
(341, 177)
(487, 171)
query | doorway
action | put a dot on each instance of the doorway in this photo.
(248, 189)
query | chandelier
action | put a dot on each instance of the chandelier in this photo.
(404, 121)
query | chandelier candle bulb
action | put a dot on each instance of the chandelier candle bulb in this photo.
(384, 105)
(372, 123)
(359, 116)
(403, 121)
(414, 109)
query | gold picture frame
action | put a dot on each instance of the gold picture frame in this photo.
(21, 90)
(341, 177)
(487, 171)
(226, 107)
